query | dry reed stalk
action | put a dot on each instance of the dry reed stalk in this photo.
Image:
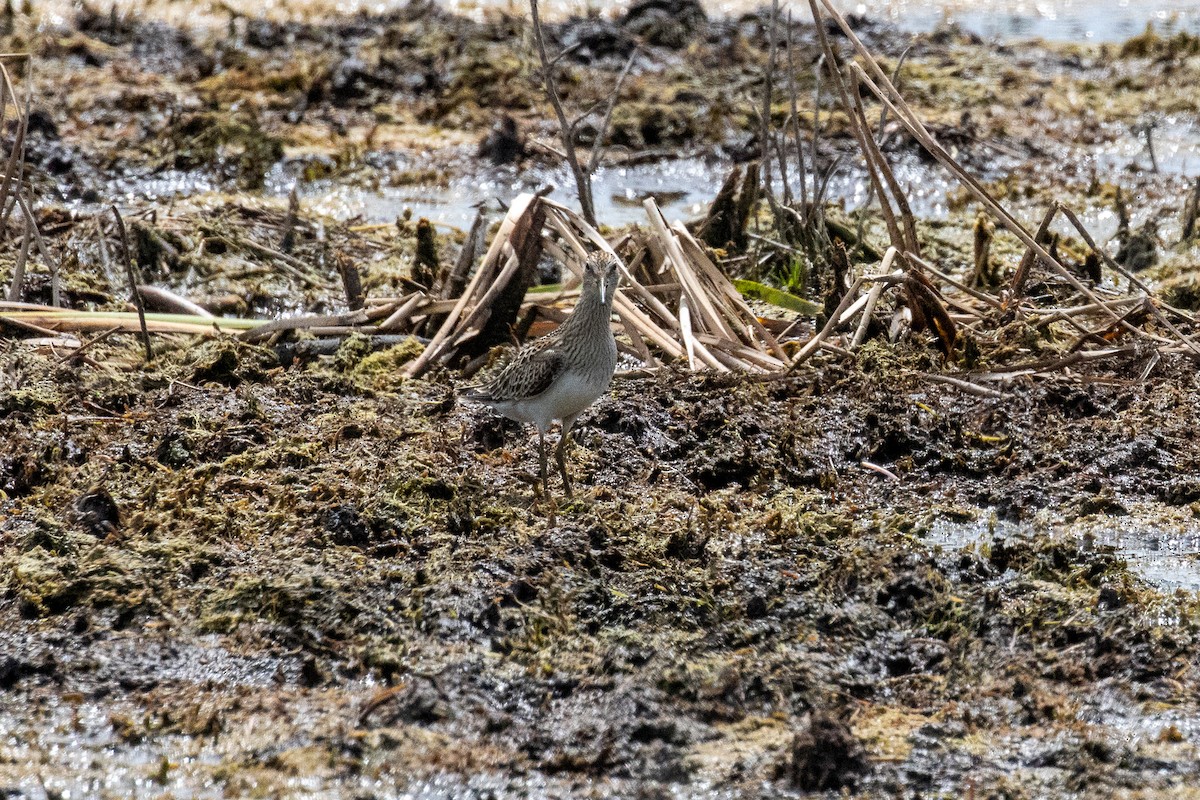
(872, 299)
(754, 358)
(861, 134)
(51, 262)
(718, 281)
(990, 300)
(521, 206)
(169, 301)
(26, 325)
(18, 280)
(707, 317)
(127, 259)
(61, 319)
(875, 155)
(639, 344)
(307, 323)
(13, 174)
(90, 343)
(835, 319)
(575, 231)
(1017, 286)
(401, 315)
(887, 94)
(685, 329)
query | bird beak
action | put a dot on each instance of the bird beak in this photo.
(603, 292)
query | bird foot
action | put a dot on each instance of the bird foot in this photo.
(545, 503)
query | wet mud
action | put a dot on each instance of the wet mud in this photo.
(237, 571)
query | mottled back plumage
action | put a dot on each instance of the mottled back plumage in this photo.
(528, 373)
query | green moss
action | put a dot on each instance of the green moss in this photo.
(353, 350)
(382, 371)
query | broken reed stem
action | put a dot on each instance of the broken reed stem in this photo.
(872, 299)
(966, 386)
(898, 106)
(51, 262)
(519, 207)
(1191, 212)
(1017, 286)
(14, 290)
(288, 242)
(834, 320)
(875, 155)
(583, 181)
(764, 134)
(133, 289)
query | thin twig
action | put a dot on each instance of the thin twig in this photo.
(14, 291)
(133, 290)
(598, 147)
(583, 182)
(133, 283)
(793, 95)
(768, 89)
(966, 386)
(91, 342)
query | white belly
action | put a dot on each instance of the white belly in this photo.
(565, 399)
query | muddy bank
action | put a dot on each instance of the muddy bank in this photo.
(227, 573)
(230, 590)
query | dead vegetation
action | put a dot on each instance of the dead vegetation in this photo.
(679, 303)
(278, 553)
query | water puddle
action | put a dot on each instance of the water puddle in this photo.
(1176, 145)
(682, 187)
(1160, 543)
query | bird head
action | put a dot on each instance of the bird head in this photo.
(600, 270)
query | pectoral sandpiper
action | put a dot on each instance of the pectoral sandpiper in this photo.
(562, 373)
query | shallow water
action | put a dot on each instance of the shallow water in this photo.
(683, 187)
(1161, 543)
(1058, 20)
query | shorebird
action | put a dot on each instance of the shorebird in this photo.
(559, 375)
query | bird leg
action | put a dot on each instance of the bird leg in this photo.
(545, 487)
(560, 455)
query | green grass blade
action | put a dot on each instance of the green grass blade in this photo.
(778, 298)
